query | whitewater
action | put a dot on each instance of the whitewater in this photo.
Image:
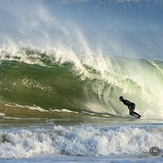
(63, 66)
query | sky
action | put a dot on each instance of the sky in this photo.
(117, 27)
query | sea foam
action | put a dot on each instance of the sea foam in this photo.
(80, 141)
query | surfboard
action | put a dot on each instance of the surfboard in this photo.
(136, 116)
(133, 117)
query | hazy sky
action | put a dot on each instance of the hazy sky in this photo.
(106, 14)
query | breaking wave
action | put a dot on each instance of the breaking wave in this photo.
(52, 80)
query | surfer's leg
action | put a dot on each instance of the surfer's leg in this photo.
(134, 113)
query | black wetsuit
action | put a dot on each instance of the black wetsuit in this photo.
(131, 106)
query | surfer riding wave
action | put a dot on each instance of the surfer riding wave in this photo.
(130, 105)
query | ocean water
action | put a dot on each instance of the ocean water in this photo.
(63, 66)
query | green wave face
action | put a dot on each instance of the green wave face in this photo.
(43, 81)
(55, 87)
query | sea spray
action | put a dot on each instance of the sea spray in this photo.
(53, 60)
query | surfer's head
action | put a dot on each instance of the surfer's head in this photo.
(121, 98)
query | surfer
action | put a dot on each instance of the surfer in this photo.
(130, 105)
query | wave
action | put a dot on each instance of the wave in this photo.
(54, 80)
(80, 141)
